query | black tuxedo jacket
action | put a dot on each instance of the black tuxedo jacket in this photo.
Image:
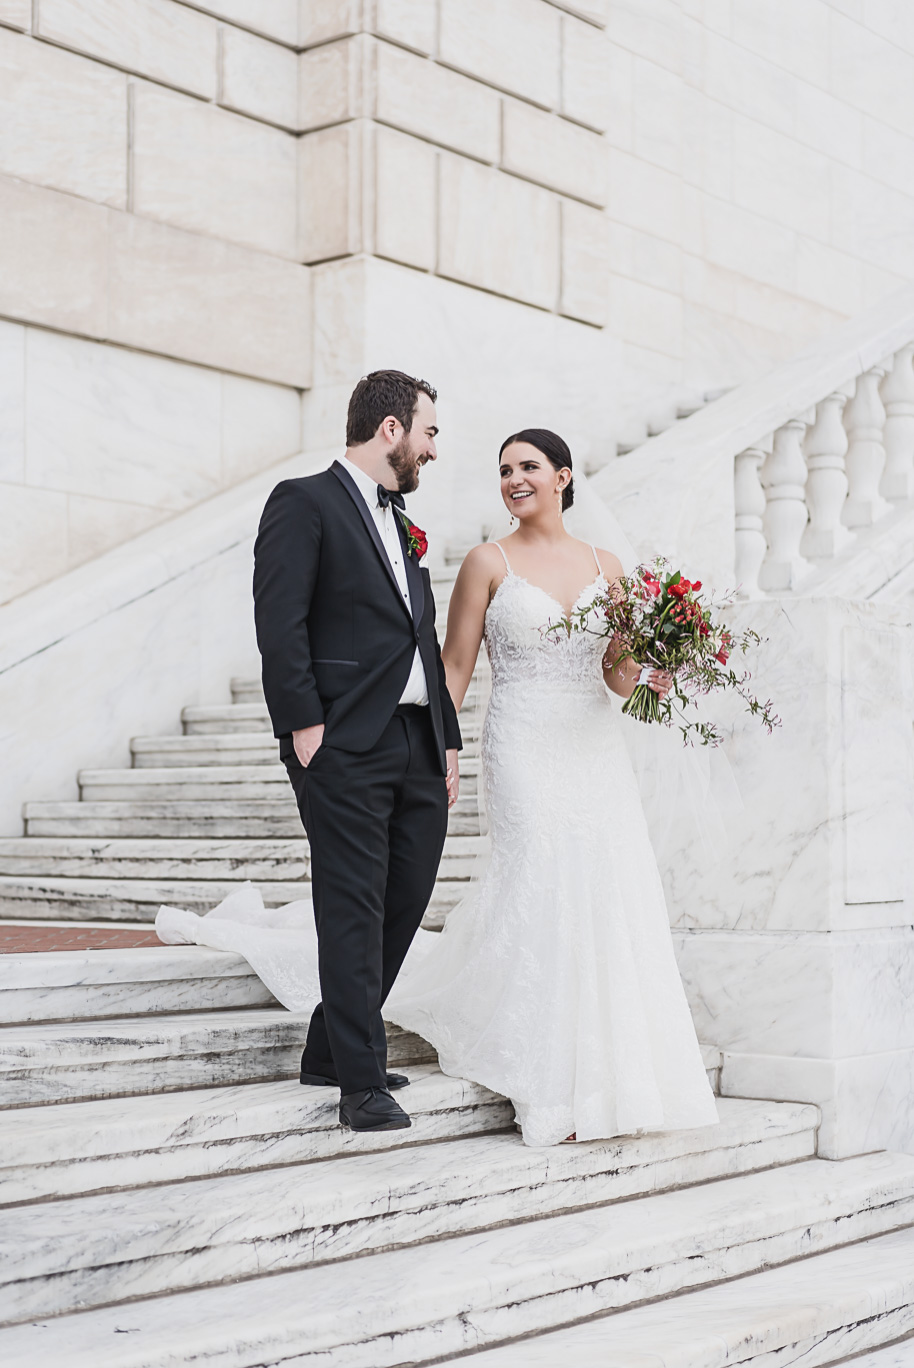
(334, 631)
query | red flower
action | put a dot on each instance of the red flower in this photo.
(416, 540)
(418, 536)
(681, 589)
(704, 629)
(723, 656)
(696, 586)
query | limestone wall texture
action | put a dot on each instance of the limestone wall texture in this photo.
(562, 211)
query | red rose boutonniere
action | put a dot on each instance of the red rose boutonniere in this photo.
(416, 540)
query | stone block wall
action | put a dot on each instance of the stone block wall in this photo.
(155, 314)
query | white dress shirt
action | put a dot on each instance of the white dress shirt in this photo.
(416, 690)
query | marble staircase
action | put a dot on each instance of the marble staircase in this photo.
(171, 1195)
(197, 814)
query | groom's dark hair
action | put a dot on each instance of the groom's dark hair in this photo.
(383, 394)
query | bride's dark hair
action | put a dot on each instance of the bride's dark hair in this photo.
(553, 448)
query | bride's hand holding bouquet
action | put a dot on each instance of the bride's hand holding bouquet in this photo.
(661, 621)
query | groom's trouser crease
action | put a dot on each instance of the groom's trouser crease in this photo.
(376, 824)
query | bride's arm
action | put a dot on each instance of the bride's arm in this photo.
(622, 675)
(466, 618)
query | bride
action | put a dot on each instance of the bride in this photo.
(554, 981)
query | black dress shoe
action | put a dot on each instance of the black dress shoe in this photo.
(318, 1080)
(372, 1110)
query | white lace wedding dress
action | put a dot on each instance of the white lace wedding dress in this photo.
(554, 981)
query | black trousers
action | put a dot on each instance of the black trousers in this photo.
(376, 824)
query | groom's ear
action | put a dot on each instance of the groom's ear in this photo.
(387, 430)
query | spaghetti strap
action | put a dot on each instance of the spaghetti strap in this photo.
(597, 559)
(504, 556)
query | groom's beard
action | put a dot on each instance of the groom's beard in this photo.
(405, 465)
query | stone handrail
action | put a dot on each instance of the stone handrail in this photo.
(821, 446)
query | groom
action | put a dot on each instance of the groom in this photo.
(357, 695)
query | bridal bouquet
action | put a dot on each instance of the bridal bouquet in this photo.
(658, 619)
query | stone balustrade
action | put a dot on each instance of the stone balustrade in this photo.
(806, 490)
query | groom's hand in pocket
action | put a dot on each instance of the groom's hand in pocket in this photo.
(307, 743)
(453, 777)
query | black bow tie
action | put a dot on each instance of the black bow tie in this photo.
(390, 496)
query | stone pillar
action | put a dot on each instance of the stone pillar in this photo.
(797, 947)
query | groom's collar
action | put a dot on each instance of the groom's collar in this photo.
(367, 487)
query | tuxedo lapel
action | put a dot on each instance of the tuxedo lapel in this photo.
(413, 575)
(362, 509)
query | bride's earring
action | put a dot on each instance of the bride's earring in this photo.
(511, 520)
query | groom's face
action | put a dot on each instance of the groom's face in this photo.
(415, 447)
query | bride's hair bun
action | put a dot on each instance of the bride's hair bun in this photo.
(553, 448)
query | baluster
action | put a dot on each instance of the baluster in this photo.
(897, 394)
(864, 418)
(749, 498)
(784, 481)
(826, 485)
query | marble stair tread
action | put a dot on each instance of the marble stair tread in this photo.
(138, 900)
(65, 1149)
(122, 1056)
(55, 1256)
(812, 1313)
(898, 1355)
(224, 748)
(188, 857)
(200, 819)
(188, 782)
(83, 985)
(427, 1301)
(200, 719)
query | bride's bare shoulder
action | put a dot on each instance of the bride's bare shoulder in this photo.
(609, 564)
(484, 559)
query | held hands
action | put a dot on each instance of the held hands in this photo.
(307, 743)
(453, 777)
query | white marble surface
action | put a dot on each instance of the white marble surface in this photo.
(160, 620)
(171, 1236)
(800, 854)
(259, 78)
(176, 46)
(212, 171)
(824, 995)
(553, 152)
(115, 1057)
(78, 1147)
(418, 97)
(476, 1289)
(152, 286)
(807, 1314)
(63, 121)
(514, 48)
(865, 1099)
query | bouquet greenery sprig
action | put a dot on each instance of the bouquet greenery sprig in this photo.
(655, 617)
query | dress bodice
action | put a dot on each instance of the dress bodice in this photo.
(521, 651)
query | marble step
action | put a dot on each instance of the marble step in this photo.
(211, 783)
(188, 858)
(204, 820)
(123, 1056)
(89, 985)
(55, 898)
(218, 719)
(68, 1148)
(247, 691)
(452, 1295)
(228, 748)
(57, 1256)
(811, 1313)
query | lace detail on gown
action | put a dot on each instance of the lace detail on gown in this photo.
(554, 981)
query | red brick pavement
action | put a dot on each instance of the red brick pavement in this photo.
(15, 940)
